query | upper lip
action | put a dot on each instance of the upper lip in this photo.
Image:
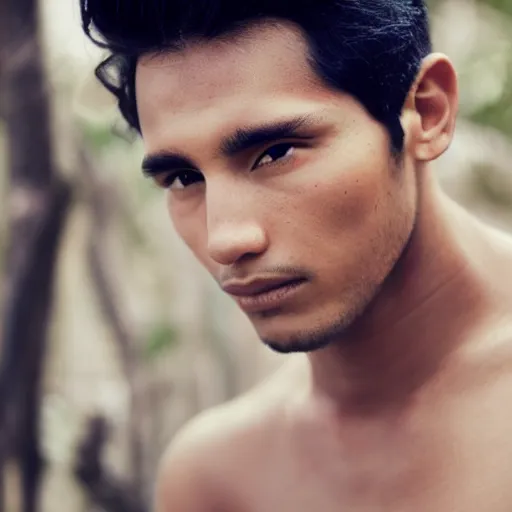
(257, 286)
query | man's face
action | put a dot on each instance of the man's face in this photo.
(284, 189)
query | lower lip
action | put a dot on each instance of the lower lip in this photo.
(269, 300)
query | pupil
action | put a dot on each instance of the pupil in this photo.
(187, 178)
(279, 151)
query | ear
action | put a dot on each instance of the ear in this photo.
(431, 108)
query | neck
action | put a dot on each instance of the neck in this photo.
(421, 316)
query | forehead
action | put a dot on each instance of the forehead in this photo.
(262, 72)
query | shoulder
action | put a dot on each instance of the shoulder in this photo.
(201, 466)
(186, 474)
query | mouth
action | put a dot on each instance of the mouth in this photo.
(263, 295)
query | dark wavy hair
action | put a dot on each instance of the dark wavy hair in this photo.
(370, 49)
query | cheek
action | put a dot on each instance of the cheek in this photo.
(347, 183)
(349, 199)
(348, 212)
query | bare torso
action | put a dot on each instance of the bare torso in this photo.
(451, 453)
(285, 447)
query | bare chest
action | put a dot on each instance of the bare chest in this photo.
(458, 461)
(465, 484)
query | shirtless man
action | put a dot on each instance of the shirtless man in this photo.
(295, 141)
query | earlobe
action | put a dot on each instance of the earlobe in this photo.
(434, 99)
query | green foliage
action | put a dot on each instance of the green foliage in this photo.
(503, 6)
(162, 338)
(499, 113)
(98, 136)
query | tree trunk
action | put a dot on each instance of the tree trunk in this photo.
(104, 489)
(101, 203)
(36, 210)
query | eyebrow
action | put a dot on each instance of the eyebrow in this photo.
(246, 138)
(242, 140)
(162, 162)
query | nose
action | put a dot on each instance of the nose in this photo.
(234, 231)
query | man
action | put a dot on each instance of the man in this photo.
(295, 141)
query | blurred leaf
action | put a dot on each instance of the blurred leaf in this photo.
(161, 339)
(99, 137)
(498, 114)
(503, 6)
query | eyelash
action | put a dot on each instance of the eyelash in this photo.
(170, 178)
(288, 145)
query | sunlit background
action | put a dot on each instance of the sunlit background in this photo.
(139, 337)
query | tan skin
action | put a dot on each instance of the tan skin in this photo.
(407, 406)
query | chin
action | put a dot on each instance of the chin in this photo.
(288, 335)
(314, 330)
(304, 341)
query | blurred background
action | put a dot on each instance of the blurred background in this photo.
(112, 335)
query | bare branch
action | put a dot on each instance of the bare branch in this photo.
(105, 489)
(100, 202)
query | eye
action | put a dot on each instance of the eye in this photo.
(275, 153)
(179, 180)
